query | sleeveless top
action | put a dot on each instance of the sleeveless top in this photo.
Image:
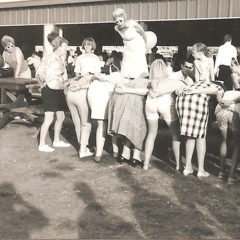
(11, 60)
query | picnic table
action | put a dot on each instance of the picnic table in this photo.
(15, 98)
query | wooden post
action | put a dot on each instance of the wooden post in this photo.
(3, 96)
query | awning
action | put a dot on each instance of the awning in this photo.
(40, 12)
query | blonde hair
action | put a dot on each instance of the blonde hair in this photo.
(201, 47)
(57, 42)
(119, 12)
(158, 70)
(89, 40)
(6, 39)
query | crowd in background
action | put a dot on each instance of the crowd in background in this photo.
(126, 93)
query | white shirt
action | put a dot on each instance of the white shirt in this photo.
(225, 54)
(87, 63)
(179, 76)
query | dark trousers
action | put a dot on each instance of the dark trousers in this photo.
(225, 76)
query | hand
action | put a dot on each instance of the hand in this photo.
(179, 92)
(153, 94)
(226, 103)
(120, 90)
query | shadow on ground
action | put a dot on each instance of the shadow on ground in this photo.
(18, 218)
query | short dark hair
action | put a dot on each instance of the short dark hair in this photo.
(227, 38)
(189, 60)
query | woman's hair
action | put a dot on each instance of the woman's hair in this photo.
(158, 70)
(6, 39)
(51, 36)
(201, 47)
(119, 12)
(57, 42)
(90, 41)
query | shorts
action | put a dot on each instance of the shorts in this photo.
(164, 106)
(53, 100)
(227, 119)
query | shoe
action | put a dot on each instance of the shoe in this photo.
(231, 181)
(221, 174)
(88, 153)
(45, 148)
(146, 167)
(187, 172)
(202, 174)
(61, 144)
(134, 163)
(97, 159)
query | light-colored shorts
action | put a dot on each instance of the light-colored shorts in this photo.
(163, 106)
(227, 119)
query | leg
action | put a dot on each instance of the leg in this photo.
(115, 146)
(48, 119)
(174, 128)
(201, 152)
(75, 116)
(58, 125)
(137, 154)
(223, 152)
(100, 136)
(126, 154)
(149, 145)
(84, 111)
(236, 156)
(235, 79)
(190, 144)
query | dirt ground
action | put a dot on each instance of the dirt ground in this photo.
(57, 196)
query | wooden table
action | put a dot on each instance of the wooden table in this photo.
(15, 89)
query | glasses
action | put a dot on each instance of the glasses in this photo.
(119, 21)
(9, 45)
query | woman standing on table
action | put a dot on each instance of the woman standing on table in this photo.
(134, 61)
(52, 73)
(13, 56)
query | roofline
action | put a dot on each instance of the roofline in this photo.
(39, 3)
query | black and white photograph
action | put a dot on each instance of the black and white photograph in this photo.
(119, 119)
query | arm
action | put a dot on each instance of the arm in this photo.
(209, 90)
(169, 85)
(212, 76)
(217, 62)
(196, 71)
(139, 29)
(136, 91)
(77, 67)
(19, 59)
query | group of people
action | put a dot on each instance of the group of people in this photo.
(127, 104)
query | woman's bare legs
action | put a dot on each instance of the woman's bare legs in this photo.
(48, 119)
(201, 152)
(235, 157)
(58, 125)
(190, 145)
(174, 128)
(223, 152)
(100, 136)
(126, 154)
(149, 145)
(115, 146)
